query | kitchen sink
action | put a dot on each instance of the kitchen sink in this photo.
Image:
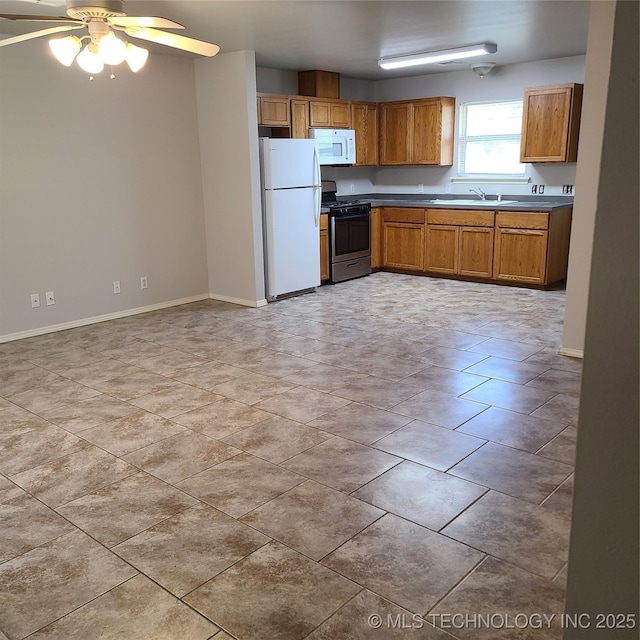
(476, 202)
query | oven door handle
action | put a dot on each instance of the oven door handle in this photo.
(354, 216)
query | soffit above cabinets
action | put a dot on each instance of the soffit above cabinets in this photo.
(349, 36)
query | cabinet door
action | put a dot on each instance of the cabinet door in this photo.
(341, 114)
(299, 118)
(319, 114)
(364, 120)
(395, 125)
(403, 245)
(376, 238)
(521, 255)
(425, 148)
(550, 123)
(274, 111)
(475, 254)
(442, 248)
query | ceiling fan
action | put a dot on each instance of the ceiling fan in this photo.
(102, 18)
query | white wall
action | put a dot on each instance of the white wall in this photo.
(228, 123)
(99, 181)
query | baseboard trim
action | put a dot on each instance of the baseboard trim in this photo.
(31, 333)
(240, 301)
(572, 353)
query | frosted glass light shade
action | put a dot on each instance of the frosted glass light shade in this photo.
(112, 49)
(65, 49)
(136, 57)
(90, 60)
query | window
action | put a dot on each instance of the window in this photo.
(489, 143)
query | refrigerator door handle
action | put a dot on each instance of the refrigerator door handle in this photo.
(317, 197)
(317, 177)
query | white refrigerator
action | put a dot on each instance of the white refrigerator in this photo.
(291, 195)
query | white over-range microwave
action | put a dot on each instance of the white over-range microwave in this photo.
(335, 146)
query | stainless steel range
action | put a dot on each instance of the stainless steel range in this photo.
(349, 235)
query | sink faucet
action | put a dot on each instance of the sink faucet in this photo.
(480, 193)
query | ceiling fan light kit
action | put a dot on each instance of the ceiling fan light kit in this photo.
(431, 57)
(101, 18)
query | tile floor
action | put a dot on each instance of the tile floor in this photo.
(392, 446)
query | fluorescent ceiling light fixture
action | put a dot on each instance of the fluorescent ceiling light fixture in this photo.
(429, 57)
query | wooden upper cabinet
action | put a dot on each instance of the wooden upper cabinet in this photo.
(417, 131)
(551, 123)
(364, 120)
(273, 111)
(395, 125)
(299, 118)
(330, 113)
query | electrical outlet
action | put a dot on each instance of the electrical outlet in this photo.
(35, 300)
(353, 188)
(420, 188)
(116, 286)
(50, 298)
(567, 189)
(540, 189)
(534, 188)
(143, 282)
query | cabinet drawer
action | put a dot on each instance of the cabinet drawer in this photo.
(397, 214)
(460, 217)
(522, 220)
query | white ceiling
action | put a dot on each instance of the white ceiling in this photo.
(348, 36)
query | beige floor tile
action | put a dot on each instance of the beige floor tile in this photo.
(52, 393)
(512, 429)
(68, 358)
(562, 408)
(123, 435)
(9, 490)
(15, 421)
(290, 595)
(429, 445)
(252, 388)
(302, 404)
(508, 370)
(136, 610)
(558, 381)
(98, 372)
(189, 548)
(126, 507)
(516, 473)
(209, 374)
(175, 400)
(450, 358)
(445, 381)
(510, 396)
(370, 617)
(240, 484)
(52, 580)
(78, 416)
(74, 475)
(440, 409)
(134, 385)
(404, 562)
(277, 439)
(560, 502)
(360, 422)
(342, 464)
(376, 392)
(562, 447)
(181, 456)
(33, 448)
(310, 518)
(324, 377)
(508, 349)
(26, 523)
(524, 534)
(420, 494)
(20, 376)
(523, 597)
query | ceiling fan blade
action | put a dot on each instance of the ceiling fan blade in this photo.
(174, 40)
(39, 34)
(142, 21)
(15, 16)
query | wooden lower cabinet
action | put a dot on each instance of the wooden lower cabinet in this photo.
(376, 237)
(324, 247)
(475, 256)
(403, 245)
(521, 255)
(442, 249)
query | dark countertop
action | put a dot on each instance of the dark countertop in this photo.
(523, 203)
